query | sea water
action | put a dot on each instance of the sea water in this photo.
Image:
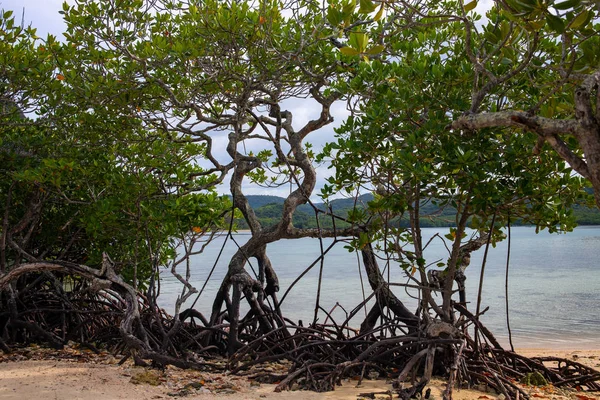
(553, 284)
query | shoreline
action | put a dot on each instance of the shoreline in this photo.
(74, 373)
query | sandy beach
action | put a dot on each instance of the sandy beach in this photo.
(75, 374)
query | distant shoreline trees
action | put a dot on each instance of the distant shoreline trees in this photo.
(268, 208)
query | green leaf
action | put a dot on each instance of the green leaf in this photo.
(470, 6)
(359, 40)
(555, 23)
(349, 51)
(505, 29)
(379, 13)
(334, 16)
(534, 25)
(565, 5)
(526, 6)
(375, 50)
(366, 7)
(347, 10)
(581, 19)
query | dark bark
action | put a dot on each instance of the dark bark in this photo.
(385, 297)
(370, 320)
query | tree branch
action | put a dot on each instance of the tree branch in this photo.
(547, 128)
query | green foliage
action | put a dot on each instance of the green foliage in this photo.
(79, 178)
(104, 136)
(125, 114)
(198, 54)
(94, 201)
(398, 145)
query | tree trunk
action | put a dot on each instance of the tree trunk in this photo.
(383, 294)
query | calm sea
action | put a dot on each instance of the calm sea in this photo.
(554, 283)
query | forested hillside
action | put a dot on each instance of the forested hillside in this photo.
(269, 208)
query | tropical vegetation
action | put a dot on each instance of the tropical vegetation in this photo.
(118, 139)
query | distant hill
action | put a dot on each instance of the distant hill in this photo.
(586, 215)
(268, 209)
(257, 201)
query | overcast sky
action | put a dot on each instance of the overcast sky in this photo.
(41, 14)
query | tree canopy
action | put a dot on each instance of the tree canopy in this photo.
(117, 140)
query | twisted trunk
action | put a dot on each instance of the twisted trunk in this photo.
(384, 295)
(266, 283)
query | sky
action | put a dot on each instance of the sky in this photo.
(42, 14)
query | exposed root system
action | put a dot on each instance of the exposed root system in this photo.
(57, 303)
